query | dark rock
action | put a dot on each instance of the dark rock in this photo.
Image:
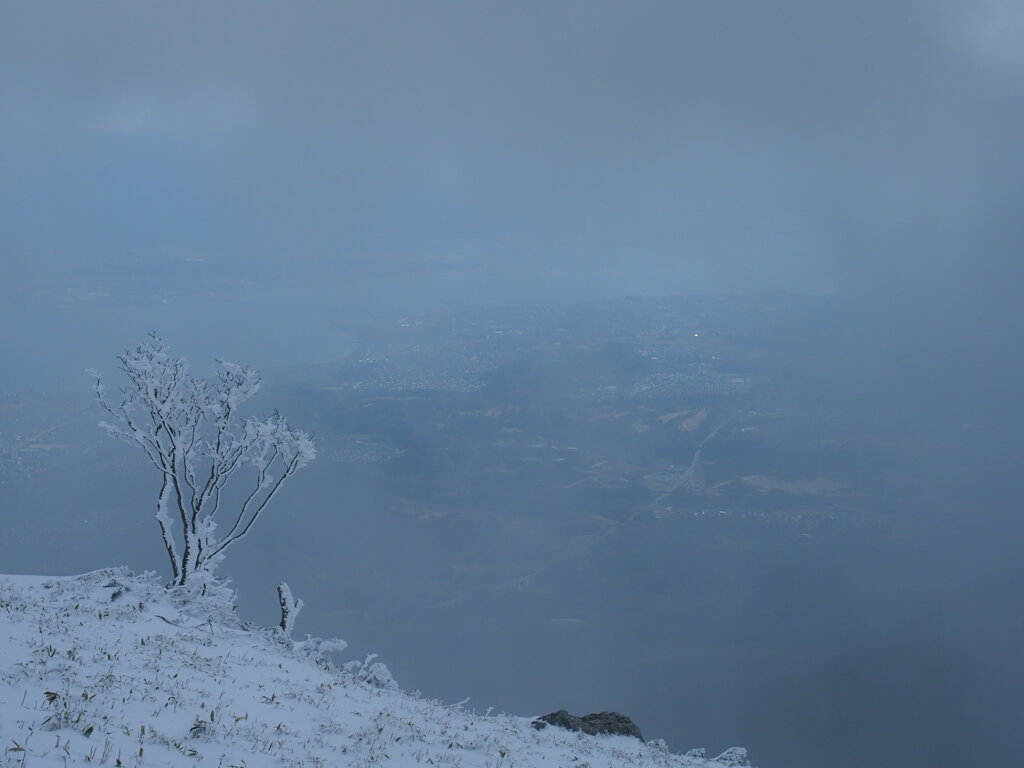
(598, 722)
(613, 722)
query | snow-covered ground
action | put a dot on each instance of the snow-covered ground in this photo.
(112, 669)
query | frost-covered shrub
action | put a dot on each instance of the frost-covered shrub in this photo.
(735, 757)
(192, 433)
(320, 648)
(207, 597)
(373, 672)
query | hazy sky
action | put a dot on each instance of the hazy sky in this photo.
(391, 154)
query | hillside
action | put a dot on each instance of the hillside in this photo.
(109, 668)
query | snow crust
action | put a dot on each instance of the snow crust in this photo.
(109, 668)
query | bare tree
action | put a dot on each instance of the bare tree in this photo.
(192, 433)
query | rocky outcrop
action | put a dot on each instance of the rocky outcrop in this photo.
(598, 722)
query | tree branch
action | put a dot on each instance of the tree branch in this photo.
(228, 540)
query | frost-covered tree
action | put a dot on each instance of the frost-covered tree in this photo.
(192, 433)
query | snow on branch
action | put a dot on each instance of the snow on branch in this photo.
(290, 608)
(190, 430)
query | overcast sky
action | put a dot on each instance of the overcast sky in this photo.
(445, 152)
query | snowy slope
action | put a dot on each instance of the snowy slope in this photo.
(111, 669)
